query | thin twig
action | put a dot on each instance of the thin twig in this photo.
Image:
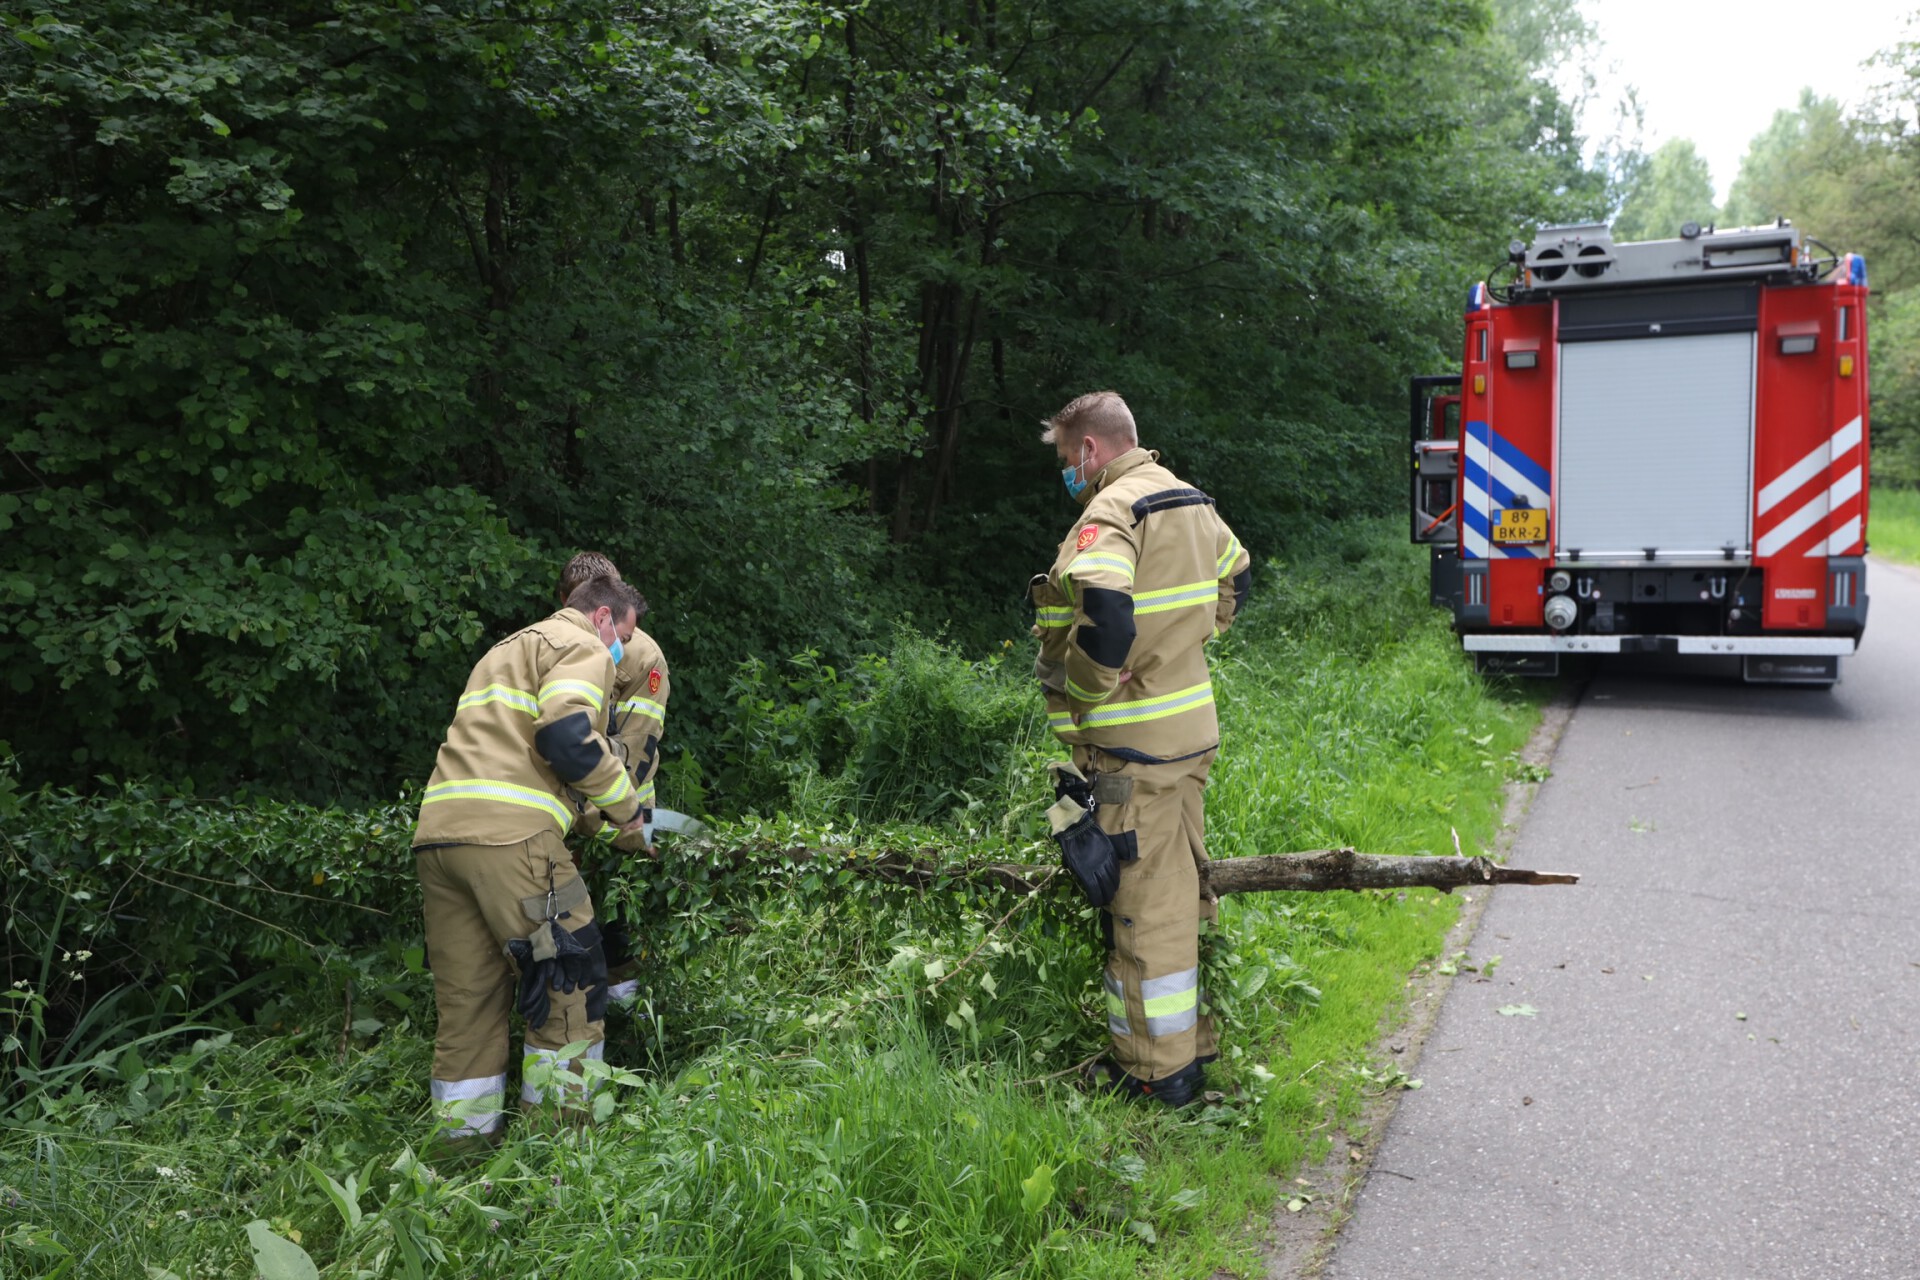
(264, 887)
(877, 996)
(224, 907)
(1077, 1067)
(987, 936)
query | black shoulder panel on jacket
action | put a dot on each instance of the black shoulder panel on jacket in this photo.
(1166, 500)
(569, 746)
(1107, 634)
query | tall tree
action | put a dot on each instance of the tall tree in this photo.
(1675, 188)
(1800, 168)
(332, 324)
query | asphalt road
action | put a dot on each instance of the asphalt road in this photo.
(1721, 1075)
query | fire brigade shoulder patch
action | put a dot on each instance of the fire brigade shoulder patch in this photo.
(653, 680)
(1087, 534)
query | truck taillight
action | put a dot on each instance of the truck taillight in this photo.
(1846, 589)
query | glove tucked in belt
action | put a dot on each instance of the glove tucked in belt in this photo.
(552, 957)
(1087, 851)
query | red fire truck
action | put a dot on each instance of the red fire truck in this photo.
(1654, 447)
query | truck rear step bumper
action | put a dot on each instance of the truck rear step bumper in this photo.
(1769, 646)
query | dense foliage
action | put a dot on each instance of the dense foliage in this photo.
(332, 325)
(213, 1039)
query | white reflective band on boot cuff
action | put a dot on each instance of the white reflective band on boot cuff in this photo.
(466, 1107)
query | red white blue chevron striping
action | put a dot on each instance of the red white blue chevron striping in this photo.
(1496, 474)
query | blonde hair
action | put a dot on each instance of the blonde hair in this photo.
(582, 569)
(1102, 414)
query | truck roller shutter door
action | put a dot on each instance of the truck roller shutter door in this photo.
(1656, 447)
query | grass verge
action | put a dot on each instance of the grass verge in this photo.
(1895, 529)
(863, 1089)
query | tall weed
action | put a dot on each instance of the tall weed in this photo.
(838, 1076)
(915, 734)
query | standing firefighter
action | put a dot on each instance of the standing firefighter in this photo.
(636, 723)
(1145, 577)
(502, 896)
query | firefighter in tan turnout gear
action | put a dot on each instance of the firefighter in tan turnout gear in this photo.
(508, 918)
(636, 723)
(1144, 578)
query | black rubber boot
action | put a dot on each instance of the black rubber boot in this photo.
(1180, 1089)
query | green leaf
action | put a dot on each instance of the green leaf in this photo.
(345, 1199)
(219, 127)
(1036, 1189)
(1518, 1010)
(277, 1258)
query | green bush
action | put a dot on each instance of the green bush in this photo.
(918, 734)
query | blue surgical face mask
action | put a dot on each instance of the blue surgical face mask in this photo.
(614, 646)
(1070, 476)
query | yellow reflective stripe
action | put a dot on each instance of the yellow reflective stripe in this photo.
(607, 834)
(645, 793)
(1194, 593)
(1178, 1002)
(1232, 554)
(1060, 721)
(1049, 615)
(1098, 561)
(1116, 1007)
(622, 788)
(1081, 695)
(645, 706)
(518, 699)
(1167, 704)
(587, 690)
(502, 793)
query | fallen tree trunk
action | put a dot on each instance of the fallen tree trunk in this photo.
(1325, 869)
(1315, 871)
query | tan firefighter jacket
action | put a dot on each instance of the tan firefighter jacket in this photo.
(530, 727)
(1147, 575)
(639, 720)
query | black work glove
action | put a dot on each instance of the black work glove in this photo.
(1085, 849)
(1088, 853)
(1070, 783)
(532, 999)
(572, 966)
(574, 963)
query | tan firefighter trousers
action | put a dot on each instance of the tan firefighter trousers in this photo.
(476, 899)
(1153, 962)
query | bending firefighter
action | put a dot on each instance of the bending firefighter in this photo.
(1144, 578)
(636, 722)
(508, 918)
